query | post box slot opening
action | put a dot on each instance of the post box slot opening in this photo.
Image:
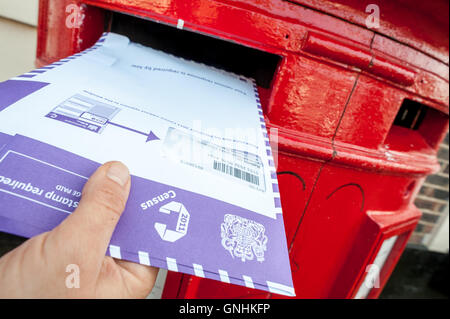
(211, 51)
(417, 127)
(410, 115)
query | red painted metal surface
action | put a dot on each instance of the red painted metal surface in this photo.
(348, 176)
(358, 57)
(421, 25)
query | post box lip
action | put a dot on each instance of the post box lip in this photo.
(296, 143)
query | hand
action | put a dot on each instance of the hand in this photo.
(37, 268)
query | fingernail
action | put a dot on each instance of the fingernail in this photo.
(119, 173)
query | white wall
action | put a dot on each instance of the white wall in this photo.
(25, 11)
(438, 240)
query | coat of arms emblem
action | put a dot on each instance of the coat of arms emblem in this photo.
(243, 238)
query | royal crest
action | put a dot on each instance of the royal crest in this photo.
(243, 238)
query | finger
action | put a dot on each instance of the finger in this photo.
(145, 273)
(88, 230)
(140, 279)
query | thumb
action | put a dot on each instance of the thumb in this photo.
(88, 230)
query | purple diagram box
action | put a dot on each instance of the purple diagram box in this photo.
(84, 112)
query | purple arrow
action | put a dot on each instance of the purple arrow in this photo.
(150, 136)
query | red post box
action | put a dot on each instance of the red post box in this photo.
(358, 112)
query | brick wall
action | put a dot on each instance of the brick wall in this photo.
(433, 197)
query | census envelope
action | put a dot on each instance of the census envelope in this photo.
(204, 197)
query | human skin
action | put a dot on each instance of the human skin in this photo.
(39, 268)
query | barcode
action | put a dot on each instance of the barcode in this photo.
(236, 172)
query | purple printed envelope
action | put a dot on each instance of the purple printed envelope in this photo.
(204, 197)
